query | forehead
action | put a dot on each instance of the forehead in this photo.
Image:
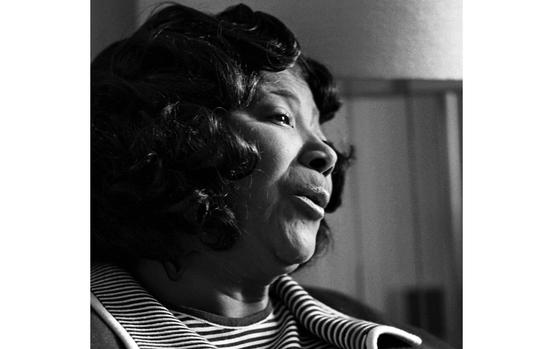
(287, 79)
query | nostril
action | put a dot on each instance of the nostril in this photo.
(321, 165)
(318, 164)
(321, 159)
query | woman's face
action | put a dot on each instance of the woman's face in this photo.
(279, 206)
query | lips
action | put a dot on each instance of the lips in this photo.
(312, 201)
(317, 195)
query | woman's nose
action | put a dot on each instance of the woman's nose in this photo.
(319, 156)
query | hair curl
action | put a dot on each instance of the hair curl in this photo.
(163, 151)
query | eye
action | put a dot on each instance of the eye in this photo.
(281, 118)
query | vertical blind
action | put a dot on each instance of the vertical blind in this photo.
(397, 237)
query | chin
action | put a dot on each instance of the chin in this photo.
(296, 258)
(297, 251)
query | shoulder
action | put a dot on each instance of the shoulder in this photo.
(102, 337)
(354, 308)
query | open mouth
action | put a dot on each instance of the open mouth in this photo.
(312, 201)
(317, 195)
(309, 207)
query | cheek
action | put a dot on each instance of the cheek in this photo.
(260, 192)
(255, 199)
(276, 158)
(277, 147)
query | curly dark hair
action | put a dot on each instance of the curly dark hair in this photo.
(163, 151)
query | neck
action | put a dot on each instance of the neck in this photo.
(208, 284)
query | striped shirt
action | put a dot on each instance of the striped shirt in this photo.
(273, 328)
(294, 320)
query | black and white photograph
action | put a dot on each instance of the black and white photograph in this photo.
(279, 174)
(276, 174)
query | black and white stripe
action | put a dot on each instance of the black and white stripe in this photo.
(297, 320)
(278, 330)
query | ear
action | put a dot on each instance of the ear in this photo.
(174, 269)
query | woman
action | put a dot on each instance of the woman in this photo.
(210, 182)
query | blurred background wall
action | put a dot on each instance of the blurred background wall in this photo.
(398, 237)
